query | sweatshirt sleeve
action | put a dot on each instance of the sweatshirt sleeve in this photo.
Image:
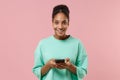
(81, 62)
(38, 62)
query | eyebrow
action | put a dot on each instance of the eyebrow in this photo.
(60, 20)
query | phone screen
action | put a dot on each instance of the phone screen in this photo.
(59, 60)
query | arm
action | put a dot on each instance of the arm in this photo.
(72, 68)
(38, 62)
(45, 69)
(40, 69)
(50, 64)
(81, 62)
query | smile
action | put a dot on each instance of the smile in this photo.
(60, 31)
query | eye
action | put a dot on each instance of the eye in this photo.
(56, 22)
(64, 22)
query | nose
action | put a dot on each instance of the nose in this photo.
(60, 26)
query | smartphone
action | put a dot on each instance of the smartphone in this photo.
(59, 60)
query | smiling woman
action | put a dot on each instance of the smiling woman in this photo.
(60, 24)
(60, 21)
(60, 55)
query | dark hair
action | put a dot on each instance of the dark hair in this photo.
(60, 8)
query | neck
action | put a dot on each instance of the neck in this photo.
(61, 37)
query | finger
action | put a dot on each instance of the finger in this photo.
(61, 67)
(55, 65)
(67, 60)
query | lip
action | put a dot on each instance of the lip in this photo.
(60, 31)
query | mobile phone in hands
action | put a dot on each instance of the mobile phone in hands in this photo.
(60, 60)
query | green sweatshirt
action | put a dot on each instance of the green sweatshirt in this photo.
(51, 47)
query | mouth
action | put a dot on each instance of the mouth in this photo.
(60, 31)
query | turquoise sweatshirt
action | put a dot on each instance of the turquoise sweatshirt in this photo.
(51, 47)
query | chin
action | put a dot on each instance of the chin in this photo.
(60, 35)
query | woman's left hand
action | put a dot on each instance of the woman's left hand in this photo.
(65, 65)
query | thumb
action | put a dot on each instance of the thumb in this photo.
(67, 59)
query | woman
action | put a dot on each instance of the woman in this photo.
(60, 56)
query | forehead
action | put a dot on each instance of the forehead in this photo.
(60, 17)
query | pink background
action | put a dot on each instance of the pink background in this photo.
(24, 22)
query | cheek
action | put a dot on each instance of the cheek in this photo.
(66, 27)
(54, 27)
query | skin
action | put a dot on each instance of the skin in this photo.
(60, 25)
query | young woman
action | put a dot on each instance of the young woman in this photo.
(60, 56)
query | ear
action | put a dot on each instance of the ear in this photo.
(52, 24)
(68, 24)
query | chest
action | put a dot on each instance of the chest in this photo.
(60, 52)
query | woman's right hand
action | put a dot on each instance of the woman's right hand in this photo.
(51, 63)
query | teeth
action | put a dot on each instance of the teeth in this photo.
(60, 30)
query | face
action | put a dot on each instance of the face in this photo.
(60, 24)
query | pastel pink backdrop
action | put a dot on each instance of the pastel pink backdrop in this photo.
(24, 22)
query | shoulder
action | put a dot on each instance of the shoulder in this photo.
(45, 40)
(76, 40)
